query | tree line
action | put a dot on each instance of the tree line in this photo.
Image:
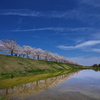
(96, 65)
(12, 47)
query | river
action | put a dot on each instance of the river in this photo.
(80, 85)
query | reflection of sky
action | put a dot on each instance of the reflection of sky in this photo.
(86, 80)
(88, 73)
(83, 86)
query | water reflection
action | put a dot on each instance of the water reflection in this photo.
(27, 90)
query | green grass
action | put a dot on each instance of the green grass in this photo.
(96, 68)
(2, 98)
(14, 66)
(11, 82)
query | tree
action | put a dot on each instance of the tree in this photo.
(95, 65)
(20, 52)
(46, 55)
(9, 46)
(1, 46)
(33, 53)
(27, 50)
(38, 53)
(54, 57)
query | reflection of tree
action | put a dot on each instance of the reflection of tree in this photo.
(23, 91)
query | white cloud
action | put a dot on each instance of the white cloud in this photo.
(94, 3)
(87, 61)
(75, 13)
(27, 12)
(88, 43)
(42, 29)
(96, 35)
(19, 12)
(81, 45)
(61, 29)
(96, 50)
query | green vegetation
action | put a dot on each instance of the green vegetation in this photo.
(29, 70)
(96, 67)
(11, 82)
(2, 98)
(14, 66)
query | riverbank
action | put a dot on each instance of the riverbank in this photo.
(11, 66)
(19, 80)
(49, 79)
(2, 98)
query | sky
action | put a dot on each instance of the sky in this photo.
(70, 28)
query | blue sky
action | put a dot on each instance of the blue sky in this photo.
(70, 28)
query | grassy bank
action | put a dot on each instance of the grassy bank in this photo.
(17, 83)
(14, 66)
(2, 98)
(96, 69)
(11, 82)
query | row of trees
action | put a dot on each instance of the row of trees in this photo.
(12, 47)
(96, 65)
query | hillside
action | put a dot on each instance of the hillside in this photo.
(13, 64)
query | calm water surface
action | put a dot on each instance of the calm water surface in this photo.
(81, 85)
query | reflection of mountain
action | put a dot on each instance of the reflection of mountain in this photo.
(29, 89)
